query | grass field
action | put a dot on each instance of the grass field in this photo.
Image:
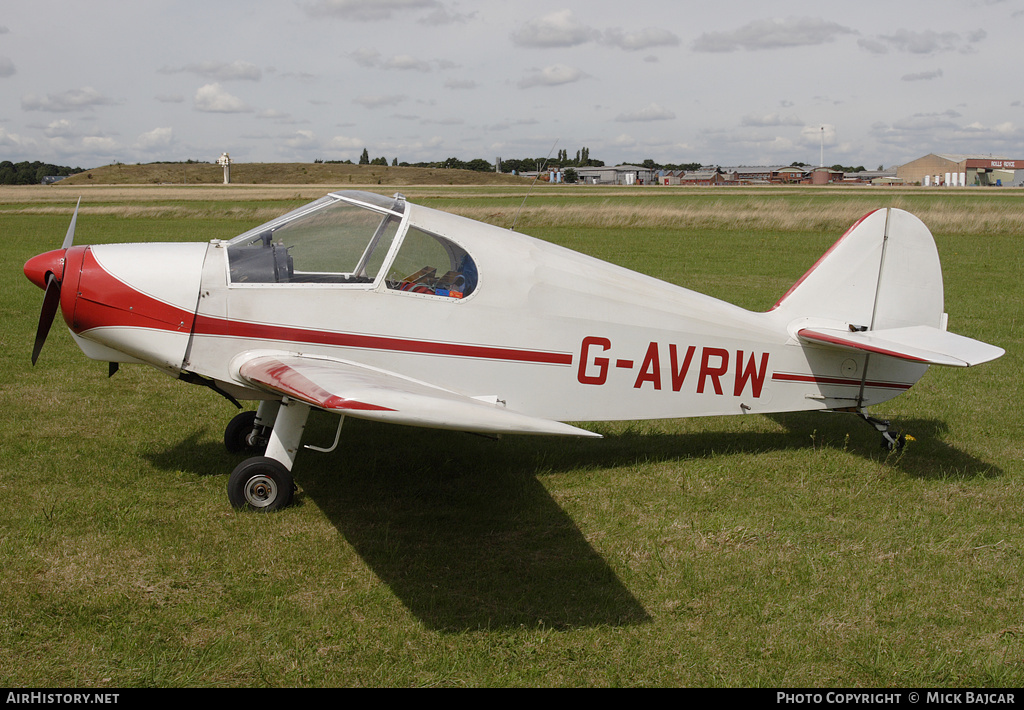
(757, 551)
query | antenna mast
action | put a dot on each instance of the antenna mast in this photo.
(516, 218)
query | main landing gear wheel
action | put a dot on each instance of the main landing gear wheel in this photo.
(242, 436)
(260, 483)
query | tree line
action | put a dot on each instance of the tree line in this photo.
(26, 173)
(560, 161)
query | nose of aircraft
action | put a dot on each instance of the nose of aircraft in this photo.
(51, 262)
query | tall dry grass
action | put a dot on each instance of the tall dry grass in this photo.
(757, 214)
(763, 210)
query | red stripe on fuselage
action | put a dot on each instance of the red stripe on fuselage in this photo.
(794, 377)
(103, 300)
(206, 325)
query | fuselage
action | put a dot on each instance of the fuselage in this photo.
(548, 331)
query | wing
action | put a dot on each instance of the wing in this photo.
(919, 343)
(368, 393)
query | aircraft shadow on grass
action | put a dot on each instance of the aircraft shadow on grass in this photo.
(466, 535)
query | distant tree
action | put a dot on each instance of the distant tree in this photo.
(513, 165)
(684, 166)
(364, 159)
(31, 173)
(394, 162)
(479, 165)
(585, 160)
(848, 169)
(570, 176)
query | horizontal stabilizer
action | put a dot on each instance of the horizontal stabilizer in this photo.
(919, 343)
(369, 393)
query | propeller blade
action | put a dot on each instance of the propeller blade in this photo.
(69, 238)
(51, 298)
(51, 302)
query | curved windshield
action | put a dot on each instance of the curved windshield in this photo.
(333, 240)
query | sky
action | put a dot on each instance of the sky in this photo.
(744, 82)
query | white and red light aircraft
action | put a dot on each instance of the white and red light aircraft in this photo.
(374, 307)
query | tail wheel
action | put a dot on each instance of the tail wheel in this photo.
(260, 483)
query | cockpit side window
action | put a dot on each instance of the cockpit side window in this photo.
(430, 264)
(335, 243)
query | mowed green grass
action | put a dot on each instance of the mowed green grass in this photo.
(746, 551)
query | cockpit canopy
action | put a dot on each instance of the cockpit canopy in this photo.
(352, 238)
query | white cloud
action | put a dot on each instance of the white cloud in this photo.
(7, 67)
(365, 57)
(368, 10)
(370, 58)
(443, 16)
(276, 116)
(642, 39)
(557, 29)
(212, 98)
(405, 62)
(379, 100)
(13, 141)
(554, 75)
(99, 144)
(770, 119)
(60, 129)
(154, 140)
(922, 76)
(302, 140)
(772, 34)
(220, 71)
(651, 112)
(922, 42)
(84, 99)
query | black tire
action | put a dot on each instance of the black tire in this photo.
(261, 484)
(236, 435)
(894, 442)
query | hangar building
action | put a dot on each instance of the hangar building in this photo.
(954, 169)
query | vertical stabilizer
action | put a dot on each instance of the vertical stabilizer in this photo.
(883, 273)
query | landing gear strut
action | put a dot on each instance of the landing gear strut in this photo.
(891, 440)
(265, 482)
